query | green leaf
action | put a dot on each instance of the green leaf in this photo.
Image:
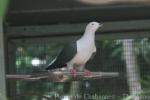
(116, 51)
(127, 98)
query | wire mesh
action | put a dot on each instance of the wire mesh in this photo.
(111, 56)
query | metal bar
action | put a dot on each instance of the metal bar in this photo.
(111, 6)
(74, 11)
(121, 29)
(2, 64)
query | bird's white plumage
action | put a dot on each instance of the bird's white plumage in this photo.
(85, 47)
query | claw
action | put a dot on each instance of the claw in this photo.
(87, 73)
(73, 72)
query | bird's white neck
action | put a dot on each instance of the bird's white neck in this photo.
(88, 36)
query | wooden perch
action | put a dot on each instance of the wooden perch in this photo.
(61, 76)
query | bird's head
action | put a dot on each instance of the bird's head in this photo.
(93, 26)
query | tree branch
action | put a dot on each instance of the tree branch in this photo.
(61, 76)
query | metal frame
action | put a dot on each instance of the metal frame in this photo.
(71, 11)
(2, 63)
(68, 32)
(117, 29)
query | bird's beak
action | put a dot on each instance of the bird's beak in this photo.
(100, 25)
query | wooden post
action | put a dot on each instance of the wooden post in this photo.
(2, 64)
(133, 75)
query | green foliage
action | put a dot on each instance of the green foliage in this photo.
(145, 81)
(3, 6)
(24, 55)
(127, 98)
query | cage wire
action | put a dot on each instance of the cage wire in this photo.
(111, 56)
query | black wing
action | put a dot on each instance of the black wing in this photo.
(93, 55)
(66, 54)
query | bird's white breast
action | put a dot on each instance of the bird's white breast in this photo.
(85, 50)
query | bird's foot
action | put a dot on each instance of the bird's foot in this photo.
(87, 73)
(73, 72)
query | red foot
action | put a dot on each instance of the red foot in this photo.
(73, 72)
(87, 73)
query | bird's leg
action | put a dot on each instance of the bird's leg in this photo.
(87, 73)
(73, 72)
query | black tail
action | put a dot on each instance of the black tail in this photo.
(55, 66)
(51, 67)
(47, 68)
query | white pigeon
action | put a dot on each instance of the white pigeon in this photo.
(76, 54)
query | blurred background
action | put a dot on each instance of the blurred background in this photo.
(34, 31)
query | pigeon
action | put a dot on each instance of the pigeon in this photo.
(76, 54)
